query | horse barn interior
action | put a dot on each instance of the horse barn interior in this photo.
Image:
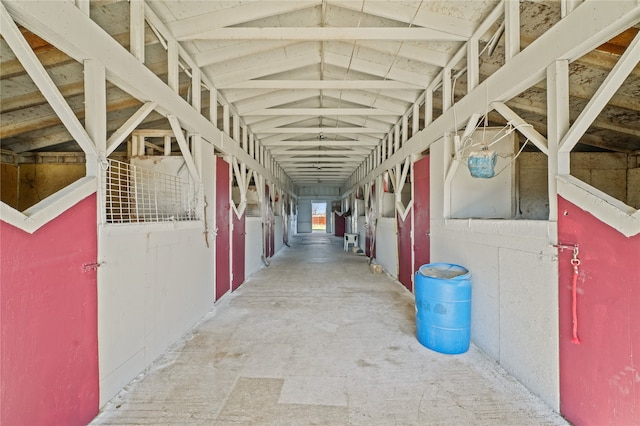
(161, 158)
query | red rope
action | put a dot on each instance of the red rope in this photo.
(574, 302)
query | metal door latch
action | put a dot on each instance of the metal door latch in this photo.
(87, 267)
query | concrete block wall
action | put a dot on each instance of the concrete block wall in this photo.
(604, 171)
(514, 303)
(614, 173)
(633, 187)
(514, 280)
(533, 189)
(26, 184)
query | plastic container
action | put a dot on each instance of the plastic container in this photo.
(443, 307)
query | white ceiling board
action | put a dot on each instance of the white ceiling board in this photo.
(237, 50)
(382, 70)
(427, 53)
(192, 23)
(254, 70)
(372, 99)
(273, 100)
(322, 34)
(410, 15)
(275, 122)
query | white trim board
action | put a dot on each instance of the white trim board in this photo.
(51, 207)
(623, 218)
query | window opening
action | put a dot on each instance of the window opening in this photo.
(254, 206)
(318, 216)
(135, 194)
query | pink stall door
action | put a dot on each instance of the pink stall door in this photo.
(600, 376)
(49, 322)
(238, 250)
(422, 226)
(340, 224)
(405, 270)
(223, 238)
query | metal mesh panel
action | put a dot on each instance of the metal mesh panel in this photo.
(135, 194)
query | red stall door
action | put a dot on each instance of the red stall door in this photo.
(223, 238)
(340, 224)
(600, 375)
(49, 322)
(238, 250)
(405, 265)
(422, 226)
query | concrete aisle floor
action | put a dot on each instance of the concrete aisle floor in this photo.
(317, 339)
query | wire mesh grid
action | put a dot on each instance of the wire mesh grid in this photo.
(135, 194)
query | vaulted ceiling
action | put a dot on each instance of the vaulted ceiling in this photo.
(320, 83)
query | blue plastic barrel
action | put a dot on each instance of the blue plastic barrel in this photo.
(443, 302)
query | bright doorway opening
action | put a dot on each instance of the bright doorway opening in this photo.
(319, 216)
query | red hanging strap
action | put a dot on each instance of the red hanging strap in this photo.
(575, 262)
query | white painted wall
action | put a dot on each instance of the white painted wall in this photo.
(155, 283)
(253, 245)
(387, 245)
(388, 205)
(362, 233)
(304, 216)
(514, 282)
(278, 234)
(154, 286)
(293, 225)
(485, 198)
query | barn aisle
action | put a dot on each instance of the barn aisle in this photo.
(315, 338)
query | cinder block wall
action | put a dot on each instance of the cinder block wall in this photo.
(514, 281)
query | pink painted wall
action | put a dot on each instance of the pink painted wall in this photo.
(599, 378)
(48, 320)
